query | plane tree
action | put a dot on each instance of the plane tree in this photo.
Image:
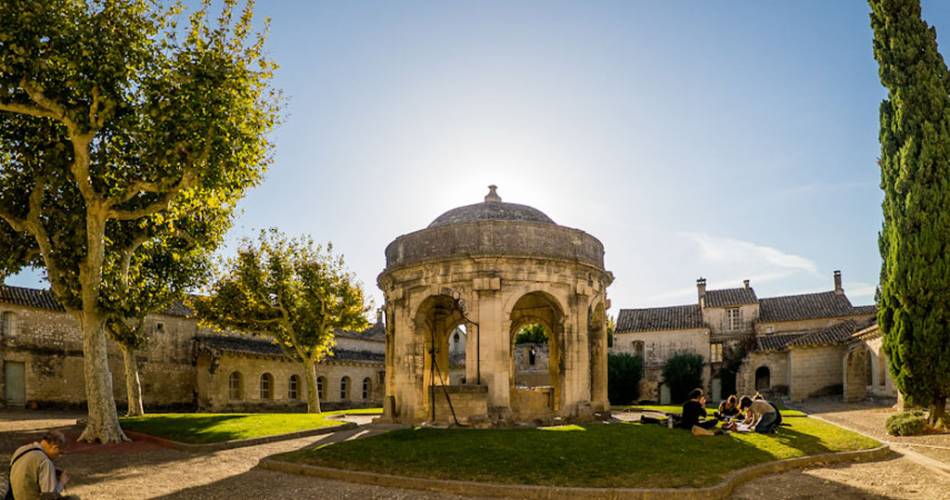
(111, 118)
(292, 291)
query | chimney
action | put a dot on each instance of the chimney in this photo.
(701, 289)
(745, 283)
(838, 289)
(379, 316)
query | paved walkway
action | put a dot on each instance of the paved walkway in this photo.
(144, 470)
(899, 477)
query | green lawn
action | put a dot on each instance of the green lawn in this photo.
(597, 455)
(218, 427)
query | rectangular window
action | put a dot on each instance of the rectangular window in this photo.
(733, 319)
(715, 353)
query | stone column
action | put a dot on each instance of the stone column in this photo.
(495, 343)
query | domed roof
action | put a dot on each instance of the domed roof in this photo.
(491, 209)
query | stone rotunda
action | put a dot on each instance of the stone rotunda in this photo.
(490, 269)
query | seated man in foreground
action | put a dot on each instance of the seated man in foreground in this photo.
(32, 473)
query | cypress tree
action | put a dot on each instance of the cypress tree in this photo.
(914, 298)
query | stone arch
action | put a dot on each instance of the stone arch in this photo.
(542, 308)
(433, 321)
(855, 372)
(763, 378)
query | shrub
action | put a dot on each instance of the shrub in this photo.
(532, 334)
(682, 373)
(908, 423)
(624, 372)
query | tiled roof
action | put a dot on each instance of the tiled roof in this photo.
(43, 299)
(832, 335)
(871, 309)
(660, 318)
(774, 342)
(804, 306)
(262, 347)
(29, 297)
(729, 297)
(376, 333)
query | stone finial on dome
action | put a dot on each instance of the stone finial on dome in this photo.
(492, 196)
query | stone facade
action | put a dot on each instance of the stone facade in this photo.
(41, 350)
(495, 267)
(792, 346)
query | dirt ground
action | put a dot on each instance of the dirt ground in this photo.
(144, 470)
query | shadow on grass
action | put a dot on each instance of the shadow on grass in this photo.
(611, 455)
(189, 429)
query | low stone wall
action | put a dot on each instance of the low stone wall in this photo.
(528, 403)
(469, 402)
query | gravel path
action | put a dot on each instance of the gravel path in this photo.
(144, 470)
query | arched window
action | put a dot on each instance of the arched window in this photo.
(293, 387)
(321, 388)
(366, 387)
(456, 337)
(638, 348)
(267, 386)
(235, 386)
(345, 388)
(6, 324)
(763, 379)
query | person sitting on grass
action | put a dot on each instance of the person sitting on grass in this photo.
(728, 409)
(761, 416)
(693, 411)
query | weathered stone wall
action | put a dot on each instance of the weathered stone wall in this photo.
(776, 362)
(352, 344)
(49, 343)
(469, 403)
(815, 371)
(527, 374)
(715, 319)
(764, 328)
(213, 388)
(660, 346)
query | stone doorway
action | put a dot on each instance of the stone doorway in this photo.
(14, 383)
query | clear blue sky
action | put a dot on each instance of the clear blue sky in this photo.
(720, 139)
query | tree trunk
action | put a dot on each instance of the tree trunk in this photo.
(938, 413)
(313, 395)
(133, 387)
(102, 423)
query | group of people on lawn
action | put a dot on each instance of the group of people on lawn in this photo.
(745, 414)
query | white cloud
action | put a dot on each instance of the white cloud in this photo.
(752, 257)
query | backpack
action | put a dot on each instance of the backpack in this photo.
(9, 495)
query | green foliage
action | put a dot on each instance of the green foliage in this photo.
(683, 372)
(624, 372)
(116, 135)
(908, 423)
(611, 328)
(594, 455)
(290, 290)
(532, 334)
(914, 306)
